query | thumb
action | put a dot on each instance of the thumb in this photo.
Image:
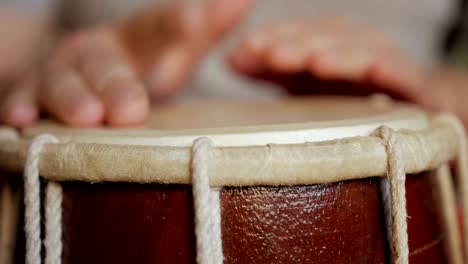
(173, 66)
(197, 25)
(224, 15)
(188, 18)
(172, 70)
(197, 18)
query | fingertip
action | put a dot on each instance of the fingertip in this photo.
(322, 66)
(133, 113)
(170, 72)
(380, 72)
(160, 87)
(242, 62)
(20, 115)
(86, 112)
(127, 104)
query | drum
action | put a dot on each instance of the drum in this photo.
(311, 180)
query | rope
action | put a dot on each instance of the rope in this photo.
(32, 198)
(53, 223)
(394, 196)
(206, 205)
(452, 242)
(461, 169)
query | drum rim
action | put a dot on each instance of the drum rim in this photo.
(274, 164)
(307, 158)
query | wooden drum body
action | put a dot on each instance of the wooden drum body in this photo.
(299, 181)
(327, 223)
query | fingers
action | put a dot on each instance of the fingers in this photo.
(201, 20)
(171, 70)
(115, 83)
(65, 95)
(188, 18)
(329, 50)
(88, 81)
(224, 15)
(198, 25)
(245, 63)
(19, 104)
(293, 58)
(285, 48)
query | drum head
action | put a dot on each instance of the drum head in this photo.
(228, 123)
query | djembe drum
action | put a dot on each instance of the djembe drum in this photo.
(316, 180)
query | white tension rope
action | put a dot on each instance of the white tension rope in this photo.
(32, 203)
(394, 196)
(207, 206)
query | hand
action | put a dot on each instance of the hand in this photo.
(448, 92)
(300, 55)
(108, 73)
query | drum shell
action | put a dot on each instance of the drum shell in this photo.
(11, 219)
(328, 223)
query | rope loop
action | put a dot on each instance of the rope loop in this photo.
(206, 205)
(53, 223)
(32, 198)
